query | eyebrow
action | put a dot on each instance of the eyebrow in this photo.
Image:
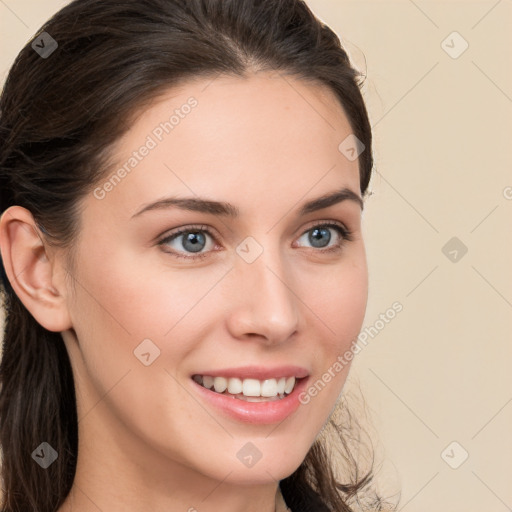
(198, 204)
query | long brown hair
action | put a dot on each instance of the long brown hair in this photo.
(60, 113)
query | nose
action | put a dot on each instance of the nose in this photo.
(264, 305)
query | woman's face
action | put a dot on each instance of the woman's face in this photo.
(250, 292)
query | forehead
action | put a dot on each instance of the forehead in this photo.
(264, 137)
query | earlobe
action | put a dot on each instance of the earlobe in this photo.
(32, 269)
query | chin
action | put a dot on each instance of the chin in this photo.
(279, 463)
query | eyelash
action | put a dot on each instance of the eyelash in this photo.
(346, 236)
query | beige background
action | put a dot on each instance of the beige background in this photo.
(440, 370)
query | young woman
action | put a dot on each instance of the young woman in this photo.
(183, 263)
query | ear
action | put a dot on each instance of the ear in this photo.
(33, 270)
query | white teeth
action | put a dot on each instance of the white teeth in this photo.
(253, 389)
(269, 387)
(234, 386)
(290, 382)
(220, 384)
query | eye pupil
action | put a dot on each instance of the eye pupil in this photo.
(317, 234)
(196, 239)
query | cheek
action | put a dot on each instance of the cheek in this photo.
(339, 304)
(115, 310)
(140, 297)
(121, 303)
(337, 296)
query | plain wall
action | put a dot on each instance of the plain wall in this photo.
(439, 371)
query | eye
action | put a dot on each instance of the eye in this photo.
(191, 239)
(189, 242)
(319, 236)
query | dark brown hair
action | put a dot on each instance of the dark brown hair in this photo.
(60, 116)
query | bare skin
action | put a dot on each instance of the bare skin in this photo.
(266, 144)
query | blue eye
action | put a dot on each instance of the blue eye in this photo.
(193, 239)
(319, 236)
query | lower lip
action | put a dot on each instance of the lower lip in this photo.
(254, 412)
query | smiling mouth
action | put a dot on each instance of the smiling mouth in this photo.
(249, 390)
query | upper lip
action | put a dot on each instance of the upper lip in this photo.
(257, 372)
